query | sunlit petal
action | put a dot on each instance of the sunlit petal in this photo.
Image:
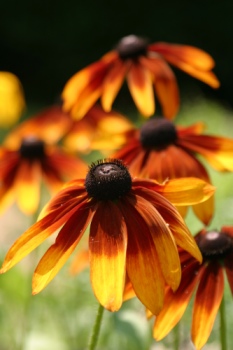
(206, 307)
(107, 247)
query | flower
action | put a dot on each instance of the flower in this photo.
(98, 130)
(143, 65)
(133, 227)
(26, 157)
(160, 150)
(207, 278)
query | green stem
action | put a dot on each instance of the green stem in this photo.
(96, 329)
(176, 334)
(223, 331)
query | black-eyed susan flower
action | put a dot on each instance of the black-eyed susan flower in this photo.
(98, 130)
(161, 150)
(145, 67)
(12, 101)
(134, 228)
(206, 279)
(26, 159)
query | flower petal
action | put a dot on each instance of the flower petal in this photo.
(165, 85)
(205, 210)
(171, 216)
(205, 307)
(59, 252)
(164, 242)
(176, 303)
(143, 266)
(107, 247)
(112, 83)
(140, 85)
(186, 191)
(36, 234)
(190, 59)
(228, 264)
(80, 262)
(27, 186)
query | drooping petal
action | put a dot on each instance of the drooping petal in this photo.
(190, 59)
(164, 242)
(228, 264)
(176, 303)
(217, 151)
(165, 85)
(139, 80)
(171, 216)
(107, 247)
(112, 83)
(186, 191)
(59, 252)
(36, 234)
(205, 210)
(143, 266)
(27, 186)
(207, 302)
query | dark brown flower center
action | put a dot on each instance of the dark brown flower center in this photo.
(132, 46)
(157, 133)
(32, 148)
(214, 245)
(108, 180)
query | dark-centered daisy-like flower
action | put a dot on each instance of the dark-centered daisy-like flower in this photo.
(161, 150)
(134, 228)
(26, 159)
(208, 278)
(12, 100)
(145, 66)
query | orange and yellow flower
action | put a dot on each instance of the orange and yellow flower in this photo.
(208, 281)
(134, 228)
(145, 67)
(12, 101)
(98, 130)
(160, 150)
(26, 158)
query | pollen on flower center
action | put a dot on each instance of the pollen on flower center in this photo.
(32, 148)
(131, 46)
(157, 133)
(108, 180)
(214, 245)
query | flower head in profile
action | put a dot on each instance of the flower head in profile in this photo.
(146, 68)
(161, 150)
(12, 101)
(206, 279)
(134, 229)
(26, 159)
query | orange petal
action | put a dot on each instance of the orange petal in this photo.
(140, 85)
(36, 234)
(228, 264)
(189, 59)
(143, 267)
(107, 247)
(205, 210)
(176, 303)
(164, 242)
(207, 302)
(112, 84)
(27, 186)
(59, 252)
(165, 85)
(186, 191)
(176, 224)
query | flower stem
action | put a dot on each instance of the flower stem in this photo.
(176, 335)
(223, 332)
(96, 329)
